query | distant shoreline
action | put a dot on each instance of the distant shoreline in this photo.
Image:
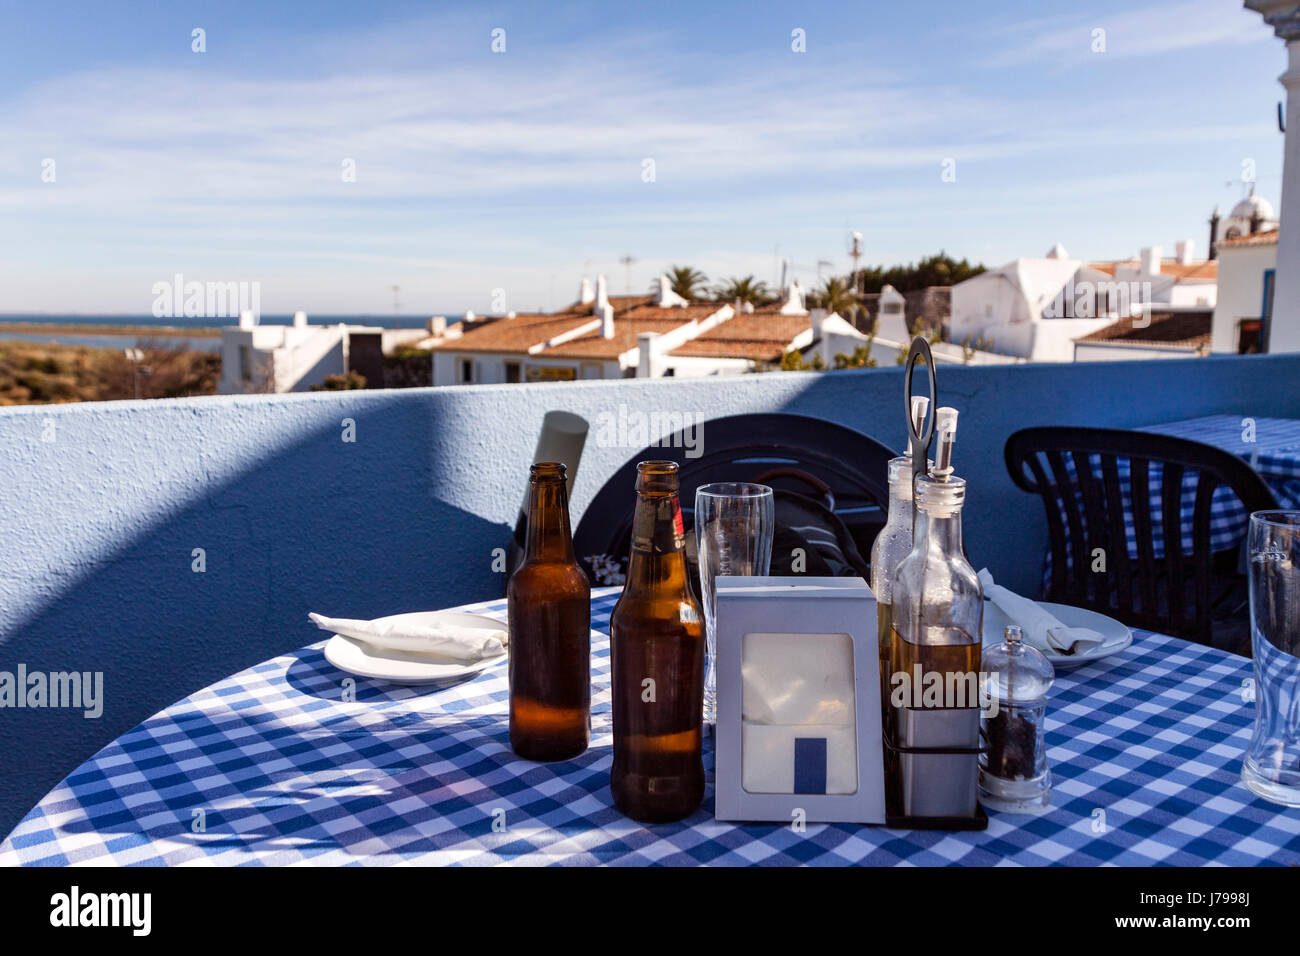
(126, 331)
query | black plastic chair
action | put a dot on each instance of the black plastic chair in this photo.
(850, 470)
(1091, 503)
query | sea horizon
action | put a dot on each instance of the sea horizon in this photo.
(213, 322)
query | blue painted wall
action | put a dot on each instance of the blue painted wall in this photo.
(102, 505)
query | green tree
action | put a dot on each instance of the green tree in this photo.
(836, 296)
(793, 361)
(933, 336)
(939, 269)
(687, 282)
(746, 289)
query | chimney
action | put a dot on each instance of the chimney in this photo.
(511, 314)
(586, 294)
(1150, 257)
(247, 320)
(437, 325)
(469, 316)
(606, 313)
(665, 297)
(818, 316)
(300, 320)
(1186, 249)
(793, 304)
(602, 296)
(645, 354)
(1214, 232)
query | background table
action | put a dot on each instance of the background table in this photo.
(1274, 454)
(1146, 749)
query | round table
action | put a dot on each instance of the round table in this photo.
(275, 765)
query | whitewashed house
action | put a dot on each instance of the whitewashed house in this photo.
(292, 358)
(1032, 308)
(1247, 281)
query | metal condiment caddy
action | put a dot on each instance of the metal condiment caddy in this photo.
(931, 750)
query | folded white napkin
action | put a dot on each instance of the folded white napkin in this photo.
(451, 643)
(1040, 626)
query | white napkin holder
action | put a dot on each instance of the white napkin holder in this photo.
(798, 710)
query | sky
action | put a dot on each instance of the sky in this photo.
(330, 151)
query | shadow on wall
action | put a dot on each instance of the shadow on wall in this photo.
(320, 524)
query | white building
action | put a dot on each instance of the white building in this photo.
(1253, 214)
(1032, 308)
(1180, 282)
(1284, 324)
(1247, 273)
(291, 358)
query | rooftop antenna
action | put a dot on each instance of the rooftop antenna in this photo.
(627, 261)
(855, 253)
(397, 303)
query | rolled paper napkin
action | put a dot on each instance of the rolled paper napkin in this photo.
(450, 643)
(1040, 626)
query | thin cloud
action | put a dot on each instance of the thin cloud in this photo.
(1164, 28)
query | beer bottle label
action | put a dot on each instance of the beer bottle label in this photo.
(658, 528)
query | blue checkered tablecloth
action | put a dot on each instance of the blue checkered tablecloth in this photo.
(272, 766)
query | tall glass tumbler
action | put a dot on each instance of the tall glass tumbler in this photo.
(734, 522)
(1272, 765)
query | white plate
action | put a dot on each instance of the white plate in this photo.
(398, 667)
(1117, 635)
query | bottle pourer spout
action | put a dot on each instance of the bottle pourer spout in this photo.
(920, 406)
(945, 426)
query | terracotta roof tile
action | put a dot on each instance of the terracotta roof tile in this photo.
(591, 345)
(516, 335)
(758, 335)
(621, 303)
(1267, 238)
(1205, 269)
(1191, 329)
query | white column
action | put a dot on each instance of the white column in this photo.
(1284, 336)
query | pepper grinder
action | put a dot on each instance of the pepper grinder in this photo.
(1014, 776)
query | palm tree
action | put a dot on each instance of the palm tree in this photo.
(687, 282)
(836, 296)
(742, 290)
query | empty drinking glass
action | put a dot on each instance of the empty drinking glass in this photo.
(1272, 765)
(734, 521)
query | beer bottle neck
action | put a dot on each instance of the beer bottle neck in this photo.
(549, 537)
(658, 556)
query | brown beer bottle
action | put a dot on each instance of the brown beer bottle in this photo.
(657, 661)
(549, 600)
